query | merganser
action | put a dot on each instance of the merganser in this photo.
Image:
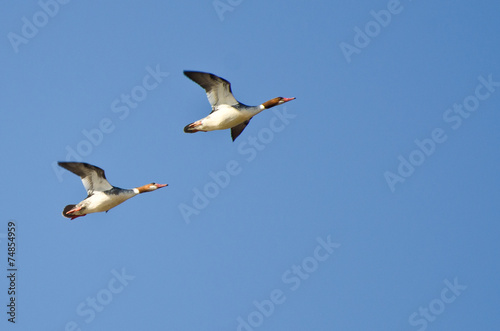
(227, 112)
(102, 196)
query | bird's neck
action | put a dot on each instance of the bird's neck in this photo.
(252, 110)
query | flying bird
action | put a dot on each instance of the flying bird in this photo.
(102, 196)
(227, 112)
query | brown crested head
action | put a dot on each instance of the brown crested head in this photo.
(275, 102)
(150, 187)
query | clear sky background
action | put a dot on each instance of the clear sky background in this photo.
(371, 202)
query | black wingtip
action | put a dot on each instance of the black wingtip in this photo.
(190, 73)
(238, 129)
(64, 164)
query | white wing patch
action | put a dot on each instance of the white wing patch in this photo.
(92, 182)
(93, 177)
(218, 89)
(220, 94)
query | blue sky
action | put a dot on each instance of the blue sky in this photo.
(368, 203)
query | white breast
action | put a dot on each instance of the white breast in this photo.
(100, 201)
(226, 117)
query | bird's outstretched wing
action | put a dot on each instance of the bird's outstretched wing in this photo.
(93, 177)
(218, 89)
(238, 129)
